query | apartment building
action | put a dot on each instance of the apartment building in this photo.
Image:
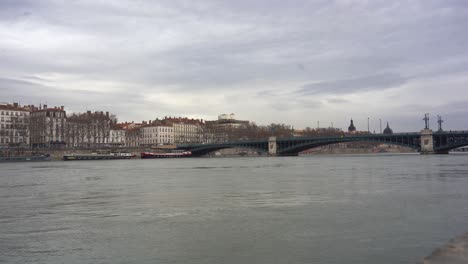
(90, 129)
(132, 134)
(117, 135)
(48, 127)
(14, 125)
(156, 133)
(185, 130)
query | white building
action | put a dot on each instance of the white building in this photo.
(14, 125)
(117, 135)
(156, 134)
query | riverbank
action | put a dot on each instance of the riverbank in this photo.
(454, 252)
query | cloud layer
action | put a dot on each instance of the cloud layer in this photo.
(268, 61)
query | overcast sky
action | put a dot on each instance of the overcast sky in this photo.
(293, 62)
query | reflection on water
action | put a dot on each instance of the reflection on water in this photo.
(320, 209)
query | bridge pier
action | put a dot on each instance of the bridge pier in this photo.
(427, 143)
(272, 146)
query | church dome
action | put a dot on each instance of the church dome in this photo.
(388, 130)
(351, 127)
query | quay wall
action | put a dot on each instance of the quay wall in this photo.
(454, 252)
(57, 154)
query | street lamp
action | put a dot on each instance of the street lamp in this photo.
(380, 120)
(368, 128)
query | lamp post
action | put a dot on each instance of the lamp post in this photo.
(380, 121)
(368, 128)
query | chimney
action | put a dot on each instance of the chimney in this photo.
(107, 113)
(45, 106)
(61, 107)
(15, 104)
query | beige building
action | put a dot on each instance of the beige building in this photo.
(14, 125)
(186, 130)
(156, 133)
(48, 127)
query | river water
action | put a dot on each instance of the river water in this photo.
(317, 209)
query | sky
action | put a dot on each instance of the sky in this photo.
(302, 63)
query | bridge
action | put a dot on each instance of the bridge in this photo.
(425, 142)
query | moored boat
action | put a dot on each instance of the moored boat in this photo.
(96, 156)
(158, 155)
(41, 157)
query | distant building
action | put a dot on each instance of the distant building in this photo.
(132, 133)
(90, 129)
(14, 125)
(156, 133)
(388, 130)
(117, 135)
(225, 129)
(48, 127)
(185, 130)
(351, 128)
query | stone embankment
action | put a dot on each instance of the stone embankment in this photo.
(454, 252)
(58, 154)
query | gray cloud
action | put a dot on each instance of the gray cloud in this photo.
(374, 82)
(269, 61)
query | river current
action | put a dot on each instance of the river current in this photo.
(315, 209)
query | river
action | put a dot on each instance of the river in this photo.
(315, 209)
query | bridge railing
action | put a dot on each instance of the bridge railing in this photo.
(319, 138)
(351, 135)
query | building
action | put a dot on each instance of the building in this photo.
(388, 130)
(14, 125)
(117, 135)
(90, 129)
(351, 128)
(48, 127)
(225, 129)
(186, 131)
(156, 133)
(132, 134)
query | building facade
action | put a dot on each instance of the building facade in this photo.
(132, 134)
(14, 125)
(90, 129)
(225, 129)
(48, 127)
(117, 135)
(155, 133)
(186, 131)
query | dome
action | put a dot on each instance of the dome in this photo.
(351, 127)
(388, 130)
